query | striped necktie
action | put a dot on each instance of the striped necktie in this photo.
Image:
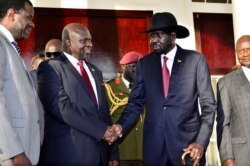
(17, 47)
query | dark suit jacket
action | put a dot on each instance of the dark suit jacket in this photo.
(175, 119)
(74, 124)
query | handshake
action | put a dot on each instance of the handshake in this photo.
(112, 133)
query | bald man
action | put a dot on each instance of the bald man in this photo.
(233, 125)
(76, 109)
(53, 48)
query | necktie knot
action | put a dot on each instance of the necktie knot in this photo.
(80, 63)
(165, 59)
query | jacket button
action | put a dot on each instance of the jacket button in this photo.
(164, 107)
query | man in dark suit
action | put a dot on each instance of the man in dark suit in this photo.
(233, 126)
(173, 122)
(76, 111)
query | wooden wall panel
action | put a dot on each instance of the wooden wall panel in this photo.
(215, 39)
(114, 33)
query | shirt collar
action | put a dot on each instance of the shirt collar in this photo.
(7, 33)
(246, 70)
(72, 59)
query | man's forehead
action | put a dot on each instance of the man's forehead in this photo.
(28, 9)
(81, 32)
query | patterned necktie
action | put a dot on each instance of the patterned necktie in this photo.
(28, 75)
(17, 47)
(165, 76)
(86, 79)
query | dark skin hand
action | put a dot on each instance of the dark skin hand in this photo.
(113, 163)
(229, 162)
(196, 152)
(21, 160)
(110, 135)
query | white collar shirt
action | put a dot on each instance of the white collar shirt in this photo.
(247, 72)
(170, 55)
(74, 62)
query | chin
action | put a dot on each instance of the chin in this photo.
(86, 56)
(247, 65)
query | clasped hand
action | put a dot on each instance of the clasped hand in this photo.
(112, 133)
(196, 152)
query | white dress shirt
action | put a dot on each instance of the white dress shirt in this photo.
(170, 55)
(74, 62)
(247, 72)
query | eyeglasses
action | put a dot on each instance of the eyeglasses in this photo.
(52, 54)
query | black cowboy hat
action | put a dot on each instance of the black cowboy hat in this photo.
(167, 22)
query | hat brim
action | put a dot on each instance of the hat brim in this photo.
(181, 31)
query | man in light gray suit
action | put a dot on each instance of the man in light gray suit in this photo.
(20, 136)
(233, 119)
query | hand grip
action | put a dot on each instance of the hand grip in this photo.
(183, 161)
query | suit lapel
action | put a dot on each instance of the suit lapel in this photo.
(242, 79)
(177, 66)
(156, 62)
(97, 82)
(74, 72)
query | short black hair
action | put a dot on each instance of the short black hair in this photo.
(5, 5)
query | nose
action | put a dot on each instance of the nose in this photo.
(89, 43)
(32, 24)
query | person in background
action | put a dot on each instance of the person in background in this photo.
(21, 119)
(77, 120)
(118, 90)
(35, 61)
(233, 131)
(172, 82)
(53, 48)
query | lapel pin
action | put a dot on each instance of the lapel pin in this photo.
(93, 69)
(179, 61)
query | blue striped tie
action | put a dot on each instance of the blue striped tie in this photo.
(17, 47)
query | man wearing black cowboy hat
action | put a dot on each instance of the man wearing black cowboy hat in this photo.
(171, 81)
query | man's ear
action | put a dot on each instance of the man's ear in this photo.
(173, 35)
(67, 42)
(11, 14)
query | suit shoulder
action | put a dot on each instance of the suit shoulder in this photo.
(94, 67)
(228, 77)
(192, 53)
